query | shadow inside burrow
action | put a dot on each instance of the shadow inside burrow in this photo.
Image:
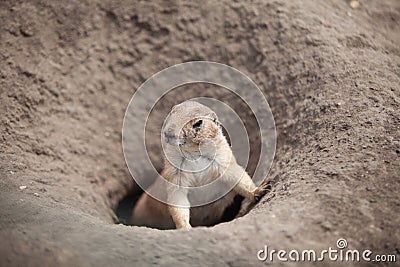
(125, 207)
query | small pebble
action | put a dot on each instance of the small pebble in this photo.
(36, 194)
(326, 225)
(26, 32)
(22, 187)
(354, 4)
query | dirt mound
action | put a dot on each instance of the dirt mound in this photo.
(67, 71)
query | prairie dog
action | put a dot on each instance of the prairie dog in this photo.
(196, 153)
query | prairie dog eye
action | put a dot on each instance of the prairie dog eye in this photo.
(197, 124)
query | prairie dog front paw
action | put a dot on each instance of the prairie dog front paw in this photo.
(261, 191)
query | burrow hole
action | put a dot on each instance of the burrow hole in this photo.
(153, 127)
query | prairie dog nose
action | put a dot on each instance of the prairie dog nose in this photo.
(170, 136)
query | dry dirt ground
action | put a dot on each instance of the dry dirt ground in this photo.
(330, 73)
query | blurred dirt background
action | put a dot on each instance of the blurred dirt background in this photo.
(330, 71)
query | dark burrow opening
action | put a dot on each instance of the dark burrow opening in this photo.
(125, 207)
(154, 124)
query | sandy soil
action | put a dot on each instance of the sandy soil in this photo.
(331, 74)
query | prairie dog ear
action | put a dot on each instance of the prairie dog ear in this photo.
(214, 117)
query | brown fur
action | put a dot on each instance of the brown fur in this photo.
(180, 126)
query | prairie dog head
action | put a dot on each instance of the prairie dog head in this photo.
(190, 124)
